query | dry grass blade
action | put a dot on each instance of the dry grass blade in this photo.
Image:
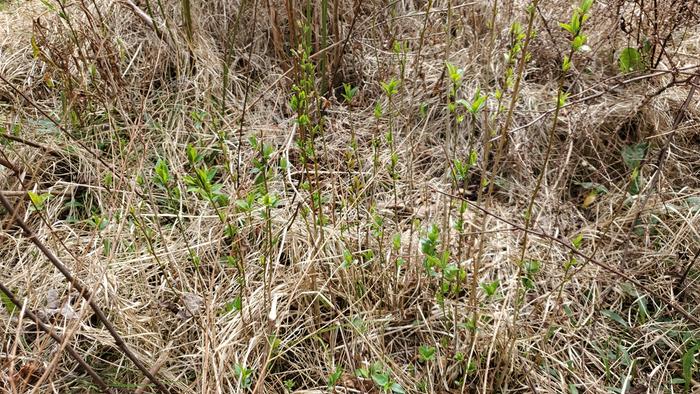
(567, 245)
(95, 377)
(84, 292)
(329, 196)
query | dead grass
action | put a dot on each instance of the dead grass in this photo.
(353, 290)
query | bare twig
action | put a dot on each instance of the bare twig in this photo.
(572, 102)
(21, 193)
(155, 368)
(338, 59)
(661, 159)
(144, 17)
(679, 285)
(95, 377)
(8, 164)
(84, 292)
(575, 251)
(56, 123)
(26, 142)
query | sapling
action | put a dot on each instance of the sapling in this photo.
(526, 268)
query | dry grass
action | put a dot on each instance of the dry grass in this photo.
(350, 289)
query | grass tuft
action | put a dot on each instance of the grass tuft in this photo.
(342, 197)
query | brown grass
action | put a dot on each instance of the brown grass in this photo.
(124, 94)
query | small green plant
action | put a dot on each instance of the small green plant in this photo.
(97, 222)
(390, 87)
(490, 288)
(289, 384)
(202, 184)
(475, 105)
(334, 377)
(455, 74)
(429, 245)
(244, 375)
(10, 306)
(348, 259)
(530, 268)
(164, 181)
(162, 173)
(574, 27)
(193, 156)
(630, 60)
(633, 155)
(349, 92)
(400, 49)
(426, 353)
(460, 169)
(437, 265)
(38, 200)
(689, 365)
(381, 378)
(247, 204)
(235, 305)
(261, 165)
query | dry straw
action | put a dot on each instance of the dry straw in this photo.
(296, 196)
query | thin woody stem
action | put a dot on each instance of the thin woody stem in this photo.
(84, 292)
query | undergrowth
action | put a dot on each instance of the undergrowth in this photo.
(295, 196)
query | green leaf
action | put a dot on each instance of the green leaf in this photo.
(528, 283)
(576, 242)
(614, 316)
(466, 104)
(576, 21)
(567, 27)
(490, 287)
(630, 60)
(636, 182)
(473, 157)
(688, 360)
(561, 98)
(235, 305)
(566, 64)
(454, 73)
(572, 389)
(390, 88)
(396, 241)
(9, 305)
(377, 110)
(347, 259)
(380, 379)
(578, 42)
(35, 48)
(243, 374)
(38, 199)
(396, 388)
(586, 5)
(349, 92)
(192, 156)
(478, 104)
(333, 378)
(633, 155)
(532, 266)
(426, 353)
(162, 172)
